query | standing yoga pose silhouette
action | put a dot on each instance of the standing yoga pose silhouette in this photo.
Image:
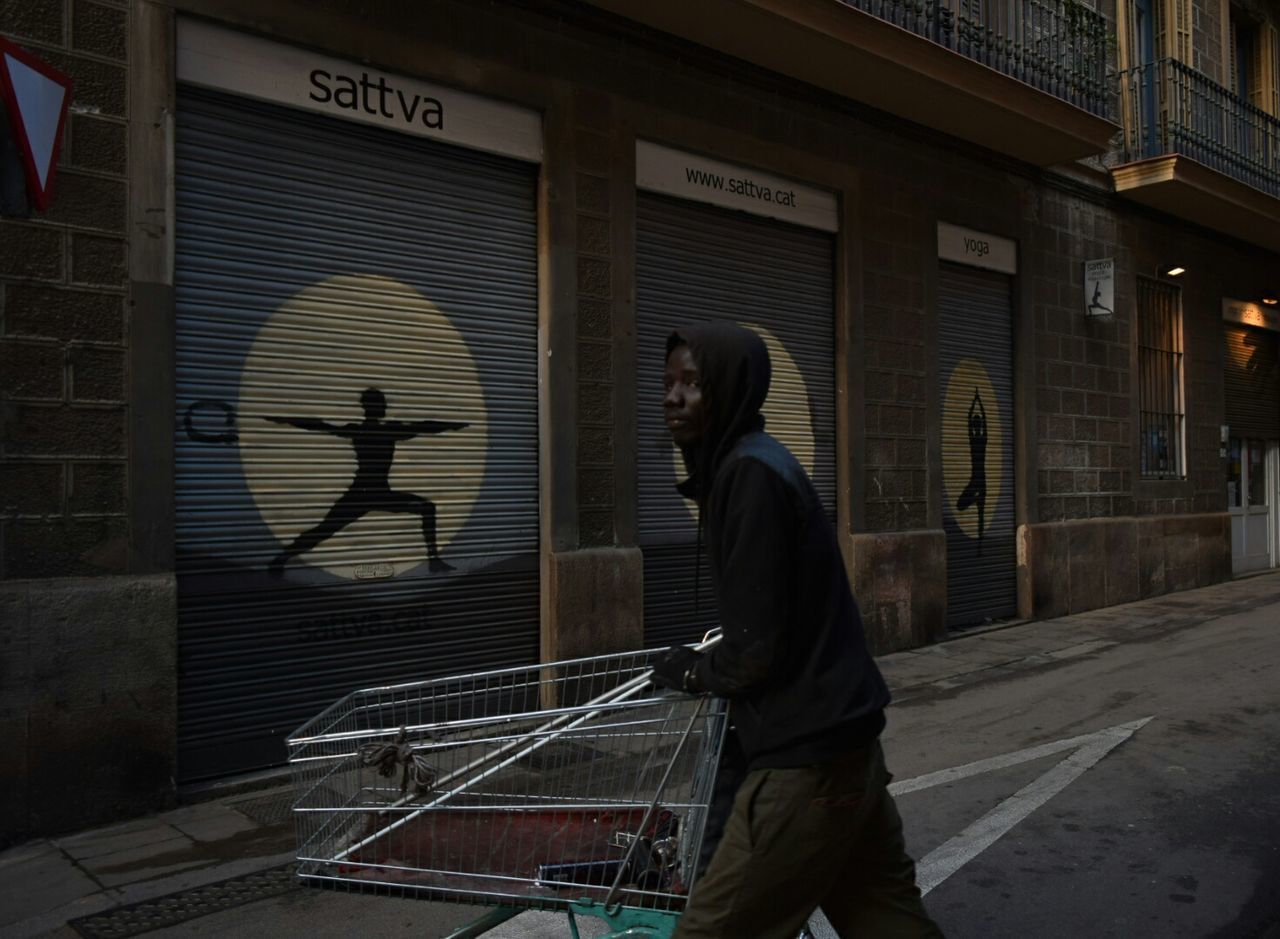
(976, 491)
(375, 442)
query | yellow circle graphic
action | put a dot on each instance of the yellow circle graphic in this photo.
(788, 413)
(351, 401)
(972, 444)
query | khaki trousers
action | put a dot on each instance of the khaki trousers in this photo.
(827, 835)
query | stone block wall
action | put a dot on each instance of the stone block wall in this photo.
(88, 666)
(895, 576)
(1071, 567)
(63, 319)
(595, 278)
(895, 363)
(1083, 386)
(1207, 54)
(590, 591)
(594, 592)
(86, 701)
(1216, 268)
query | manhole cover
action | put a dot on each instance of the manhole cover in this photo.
(149, 915)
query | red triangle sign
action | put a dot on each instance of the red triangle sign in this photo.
(36, 96)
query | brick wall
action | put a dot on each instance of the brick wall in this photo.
(63, 326)
(593, 117)
(1083, 383)
(896, 360)
(1207, 54)
(1215, 270)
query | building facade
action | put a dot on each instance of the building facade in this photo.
(336, 360)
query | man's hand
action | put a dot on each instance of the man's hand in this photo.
(675, 669)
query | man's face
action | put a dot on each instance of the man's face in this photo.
(684, 406)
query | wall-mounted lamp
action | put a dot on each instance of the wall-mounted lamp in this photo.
(1173, 270)
(1270, 301)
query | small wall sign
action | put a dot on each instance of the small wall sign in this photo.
(690, 176)
(215, 57)
(1100, 287)
(977, 248)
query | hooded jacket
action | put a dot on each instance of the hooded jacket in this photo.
(793, 658)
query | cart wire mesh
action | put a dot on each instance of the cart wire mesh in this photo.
(533, 787)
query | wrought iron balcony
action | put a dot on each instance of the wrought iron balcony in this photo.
(1171, 109)
(1026, 78)
(1056, 46)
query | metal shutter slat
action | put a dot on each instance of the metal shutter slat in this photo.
(271, 203)
(696, 263)
(1251, 377)
(975, 323)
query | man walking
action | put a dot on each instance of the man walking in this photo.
(812, 823)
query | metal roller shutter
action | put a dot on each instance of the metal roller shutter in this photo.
(317, 259)
(1251, 362)
(976, 361)
(695, 263)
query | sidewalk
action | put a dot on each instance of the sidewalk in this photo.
(164, 870)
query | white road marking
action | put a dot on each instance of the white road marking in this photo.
(1005, 760)
(946, 859)
(1085, 751)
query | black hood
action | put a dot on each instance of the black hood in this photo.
(734, 367)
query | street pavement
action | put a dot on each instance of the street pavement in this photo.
(966, 738)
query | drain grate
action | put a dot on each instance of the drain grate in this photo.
(149, 915)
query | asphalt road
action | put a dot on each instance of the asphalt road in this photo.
(1173, 832)
(1130, 790)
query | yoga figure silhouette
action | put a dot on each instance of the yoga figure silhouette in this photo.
(374, 440)
(976, 491)
(1096, 302)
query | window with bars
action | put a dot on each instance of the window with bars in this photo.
(1161, 413)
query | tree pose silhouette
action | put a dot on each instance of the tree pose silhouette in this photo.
(374, 440)
(976, 491)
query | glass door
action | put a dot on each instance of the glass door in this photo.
(1250, 500)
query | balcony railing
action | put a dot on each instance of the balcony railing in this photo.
(1057, 46)
(1173, 109)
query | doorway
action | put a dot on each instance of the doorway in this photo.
(1252, 491)
(975, 355)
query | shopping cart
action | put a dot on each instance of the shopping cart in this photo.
(572, 786)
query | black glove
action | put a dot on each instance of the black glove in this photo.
(676, 668)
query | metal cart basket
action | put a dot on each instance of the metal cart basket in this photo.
(573, 786)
